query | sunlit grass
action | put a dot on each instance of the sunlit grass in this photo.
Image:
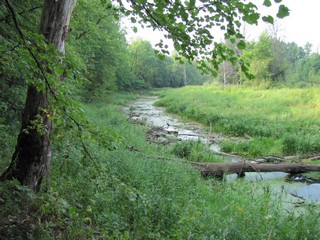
(289, 117)
(138, 191)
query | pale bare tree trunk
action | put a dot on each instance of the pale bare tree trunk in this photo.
(224, 74)
(31, 159)
(185, 79)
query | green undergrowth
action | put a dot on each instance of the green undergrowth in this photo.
(132, 192)
(195, 151)
(269, 121)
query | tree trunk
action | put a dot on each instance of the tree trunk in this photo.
(185, 79)
(32, 156)
(240, 168)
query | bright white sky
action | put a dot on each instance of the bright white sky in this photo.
(301, 26)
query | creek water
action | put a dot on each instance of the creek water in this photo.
(293, 188)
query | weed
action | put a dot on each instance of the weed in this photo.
(137, 195)
(286, 117)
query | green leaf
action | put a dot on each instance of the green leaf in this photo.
(134, 29)
(241, 45)
(214, 74)
(192, 3)
(277, 1)
(251, 18)
(59, 71)
(268, 19)
(267, 3)
(283, 11)
(116, 16)
(161, 57)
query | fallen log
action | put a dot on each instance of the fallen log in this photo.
(240, 168)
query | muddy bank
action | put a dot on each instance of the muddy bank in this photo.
(166, 129)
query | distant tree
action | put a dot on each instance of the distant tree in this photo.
(295, 53)
(306, 71)
(260, 57)
(100, 49)
(143, 62)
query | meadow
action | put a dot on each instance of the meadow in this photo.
(267, 121)
(131, 193)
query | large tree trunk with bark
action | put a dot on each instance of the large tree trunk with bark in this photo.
(240, 168)
(31, 159)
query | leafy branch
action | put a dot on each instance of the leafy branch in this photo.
(57, 97)
(191, 26)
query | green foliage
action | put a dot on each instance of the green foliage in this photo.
(275, 62)
(255, 147)
(268, 19)
(161, 71)
(267, 3)
(283, 11)
(191, 35)
(260, 57)
(99, 49)
(95, 193)
(17, 68)
(277, 121)
(128, 194)
(195, 151)
(305, 71)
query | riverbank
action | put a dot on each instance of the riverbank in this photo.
(269, 121)
(191, 141)
(132, 192)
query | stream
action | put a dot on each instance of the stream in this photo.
(165, 127)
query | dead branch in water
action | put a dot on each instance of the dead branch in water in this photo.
(240, 168)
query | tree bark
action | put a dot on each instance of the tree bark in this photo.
(240, 168)
(31, 159)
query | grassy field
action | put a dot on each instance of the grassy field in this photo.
(272, 122)
(129, 193)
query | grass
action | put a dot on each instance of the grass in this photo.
(276, 121)
(195, 151)
(133, 194)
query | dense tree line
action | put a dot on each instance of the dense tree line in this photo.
(151, 71)
(106, 62)
(273, 61)
(98, 59)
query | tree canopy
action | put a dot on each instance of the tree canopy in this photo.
(98, 56)
(191, 26)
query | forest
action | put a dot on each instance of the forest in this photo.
(77, 160)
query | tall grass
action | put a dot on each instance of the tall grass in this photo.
(277, 121)
(131, 193)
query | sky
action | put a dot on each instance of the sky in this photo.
(301, 26)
